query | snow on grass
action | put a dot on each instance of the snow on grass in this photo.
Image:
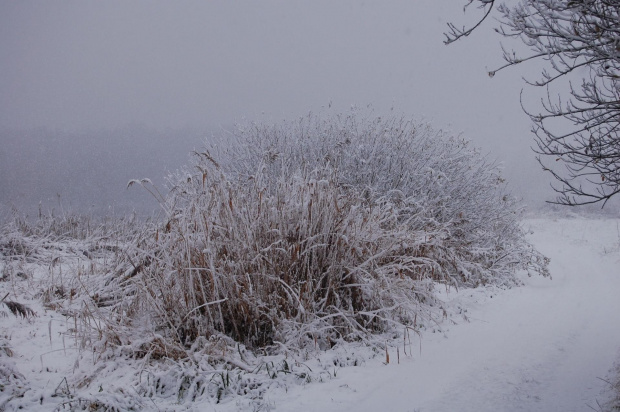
(548, 345)
(348, 255)
(545, 346)
(322, 237)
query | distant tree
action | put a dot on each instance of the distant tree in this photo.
(570, 35)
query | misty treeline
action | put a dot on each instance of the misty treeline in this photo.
(302, 234)
(87, 172)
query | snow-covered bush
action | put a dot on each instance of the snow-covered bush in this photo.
(319, 230)
(443, 180)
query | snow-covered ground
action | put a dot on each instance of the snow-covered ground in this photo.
(545, 346)
(541, 347)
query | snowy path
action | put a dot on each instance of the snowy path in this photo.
(541, 347)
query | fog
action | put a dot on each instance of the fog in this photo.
(93, 94)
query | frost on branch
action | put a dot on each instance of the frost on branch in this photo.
(320, 230)
(578, 43)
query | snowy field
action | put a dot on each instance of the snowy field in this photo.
(546, 346)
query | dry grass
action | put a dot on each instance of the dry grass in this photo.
(614, 403)
(297, 237)
(319, 231)
(19, 309)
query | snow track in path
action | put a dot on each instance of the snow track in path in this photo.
(540, 347)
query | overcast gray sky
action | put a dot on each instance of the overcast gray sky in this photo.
(82, 67)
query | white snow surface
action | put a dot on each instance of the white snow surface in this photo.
(540, 347)
(544, 346)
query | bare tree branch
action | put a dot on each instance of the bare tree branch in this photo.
(454, 33)
(578, 39)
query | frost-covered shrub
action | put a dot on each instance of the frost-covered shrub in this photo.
(319, 230)
(444, 181)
